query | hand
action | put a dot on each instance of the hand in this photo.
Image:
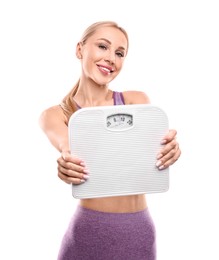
(170, 153)
(71, 169)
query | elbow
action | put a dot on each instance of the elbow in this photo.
(42, 120)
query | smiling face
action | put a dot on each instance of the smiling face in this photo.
(102, 55)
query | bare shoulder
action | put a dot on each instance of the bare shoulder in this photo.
(53, 113)
(135, 97)
(53, 110)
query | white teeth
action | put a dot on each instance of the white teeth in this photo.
(105, 69)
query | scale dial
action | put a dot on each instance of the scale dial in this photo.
(119, 121)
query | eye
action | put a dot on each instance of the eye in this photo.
(102, 46)
(120, 54)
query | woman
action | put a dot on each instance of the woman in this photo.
(103, 228)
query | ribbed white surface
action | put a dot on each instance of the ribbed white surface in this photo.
(119, 162)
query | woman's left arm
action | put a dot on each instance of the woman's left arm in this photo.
(170, 153)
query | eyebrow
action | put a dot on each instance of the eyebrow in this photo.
(104, 39)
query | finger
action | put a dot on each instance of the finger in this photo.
(169, 136)
(167, 148)
(71, 166)
(167, 155)
(169, 159)
(70, 180)
(73, 173)
(70, 176)
(70, 158)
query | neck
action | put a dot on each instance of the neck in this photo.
(91, 94)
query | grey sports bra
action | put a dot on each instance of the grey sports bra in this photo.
(118, 99)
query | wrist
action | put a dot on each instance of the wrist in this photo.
(64, 148)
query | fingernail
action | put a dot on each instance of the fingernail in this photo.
(86, 171)
(159, 156)
(82, 181)
(164, 141)
(158, 163)
(161, 167)
(82, 163)
(85, 176)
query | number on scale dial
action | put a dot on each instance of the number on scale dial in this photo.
(119, 121)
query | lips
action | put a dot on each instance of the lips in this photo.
(105, 69)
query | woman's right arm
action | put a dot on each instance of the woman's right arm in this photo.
(54, 124)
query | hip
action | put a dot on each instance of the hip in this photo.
(97, 235)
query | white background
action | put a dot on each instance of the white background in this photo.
(173, 57)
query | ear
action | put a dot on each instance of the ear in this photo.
(79, 50)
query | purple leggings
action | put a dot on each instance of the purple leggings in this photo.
(95, 235)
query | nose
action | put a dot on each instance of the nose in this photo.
(110, 57)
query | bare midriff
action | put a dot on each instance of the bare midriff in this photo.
(121, 204)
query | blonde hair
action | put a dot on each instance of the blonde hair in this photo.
(68, 104)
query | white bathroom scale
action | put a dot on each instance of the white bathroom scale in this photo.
(119, 145)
